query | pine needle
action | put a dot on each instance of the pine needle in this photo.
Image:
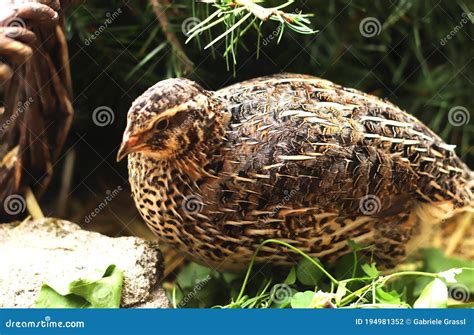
(240, 15)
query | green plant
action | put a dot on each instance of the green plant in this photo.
(239, 16)
(102, 292)
(310, 285)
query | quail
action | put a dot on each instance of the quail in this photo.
(288, 157)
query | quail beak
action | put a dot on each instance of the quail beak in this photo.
(129, 144)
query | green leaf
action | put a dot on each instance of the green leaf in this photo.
(371, 270)
(435, 261)
(205, 288)
(49, 298)
(419, 283)
(286, 302)
(340, 292)
(344, 269)
(281, 295)
(308, 273)
(230, 277)
(291, 278)
(302, 299)
(450, 275)
(105, 292)
(193, 274)
(102, 293)
(391, 298)
(434, 295)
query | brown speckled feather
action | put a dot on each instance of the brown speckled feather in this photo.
(290, 157)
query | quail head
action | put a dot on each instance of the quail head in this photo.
(288, 157)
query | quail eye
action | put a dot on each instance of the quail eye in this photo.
(162, 125)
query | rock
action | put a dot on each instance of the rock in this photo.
(57, 252)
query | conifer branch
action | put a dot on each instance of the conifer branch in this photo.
(159, 8)
(239, 15)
